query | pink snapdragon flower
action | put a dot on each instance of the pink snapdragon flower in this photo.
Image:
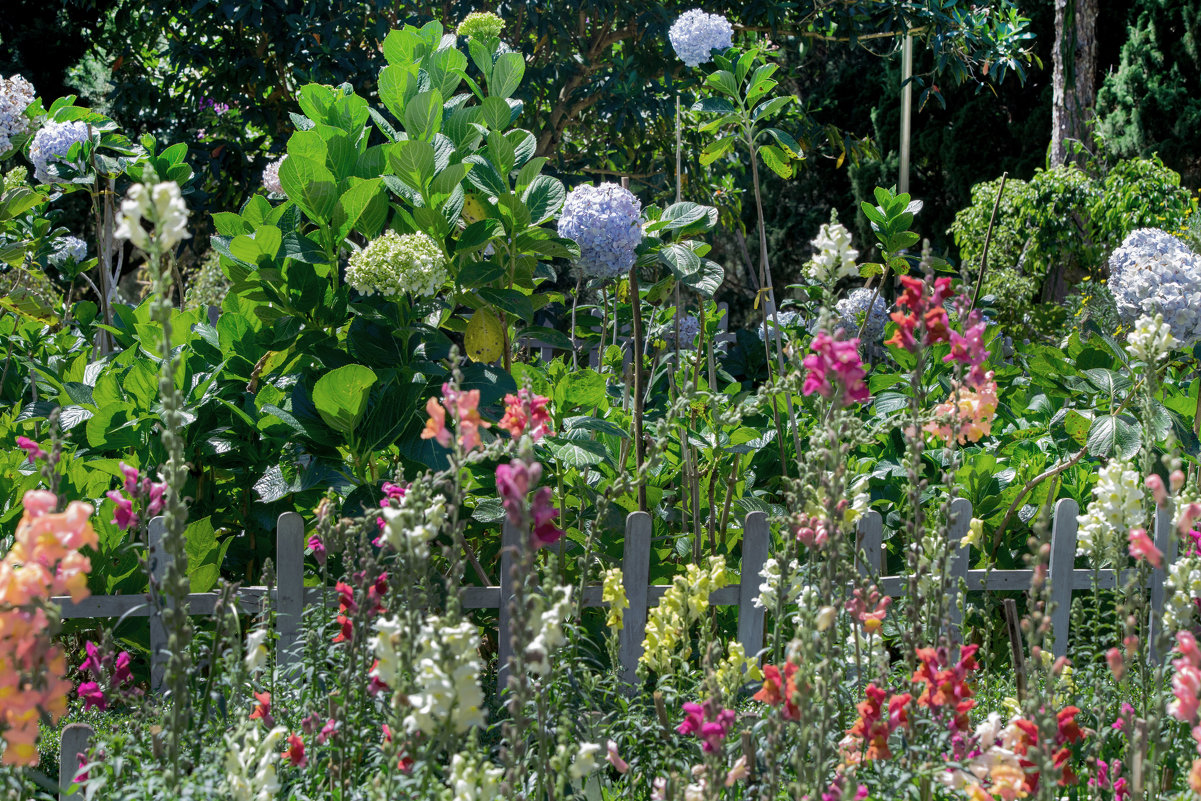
(31, 448)
(463, 409)
(1141, 547)
(706, 723)
(839, 358)
(526, 412)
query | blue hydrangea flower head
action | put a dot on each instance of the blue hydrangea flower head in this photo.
(788, 320)
(1152, 273)
(16, 94)
(51, 143)
(69, 248)
(606, 222)
(690, 328)
(695, 35)
(854, 308)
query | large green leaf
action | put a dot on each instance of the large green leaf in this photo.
(362, 208)
(341, 396)
(507, 73)
(310, 185)
(423, 115)
(1112, 435)
(544, 198)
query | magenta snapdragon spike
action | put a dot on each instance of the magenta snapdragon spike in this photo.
(835, 371)
(31, 448)
(123, 515)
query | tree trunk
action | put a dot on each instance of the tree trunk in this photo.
(1075, 66)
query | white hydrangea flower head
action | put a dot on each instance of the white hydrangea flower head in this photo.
(695, 35)
(51, 143)
(16, 94)
(606, 222)
(481, 25)
(854, 309)
(1155, 272)
(448, 668)
(473, 780)
(160, 205)
(271, 177)
(394, 264)
(1151, 340)
(1117, 507)
(833, 256)
(69, 249)
(250, 764)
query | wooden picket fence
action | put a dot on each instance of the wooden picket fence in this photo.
(290, 594)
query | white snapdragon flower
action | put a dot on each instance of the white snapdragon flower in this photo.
(1151, 340)
(160, 205)
(408, 528)
(474, 780)
(833, 258)
(548, 623)
(448, 669)
(1117, 506)
(1184, 584)
(256, 650)
(584, 762)
(250, 764)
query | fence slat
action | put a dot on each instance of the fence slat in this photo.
(635, 572)
(289, 600)
(158, 631)
(1061, 572)
(510, 541)
(756, 541)
(871, 543)
(74, 741)
(961, 519)
(1166, 543)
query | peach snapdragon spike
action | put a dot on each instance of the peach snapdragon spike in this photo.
(44, 561)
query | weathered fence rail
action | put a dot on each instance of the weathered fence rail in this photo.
(290, 594)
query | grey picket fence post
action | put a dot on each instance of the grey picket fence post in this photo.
(74, 742)
(635, 572)
(1061, 572)
(960, 561)
(756, 542)
(289, 590)
(1166, 544)
(509, 543)
(158, 631)
(870, 551)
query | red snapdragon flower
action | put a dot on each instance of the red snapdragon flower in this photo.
(295, 753)
(262, 710)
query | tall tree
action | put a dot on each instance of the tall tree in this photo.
(1074, 76)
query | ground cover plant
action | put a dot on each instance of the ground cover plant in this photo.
(470, 381)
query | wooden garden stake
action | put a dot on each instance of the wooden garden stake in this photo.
(1015, 645)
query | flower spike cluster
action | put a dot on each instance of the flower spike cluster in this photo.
(44, 561)
(839, 358)
(463, 409)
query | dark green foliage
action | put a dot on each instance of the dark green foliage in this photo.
(1150, 103)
